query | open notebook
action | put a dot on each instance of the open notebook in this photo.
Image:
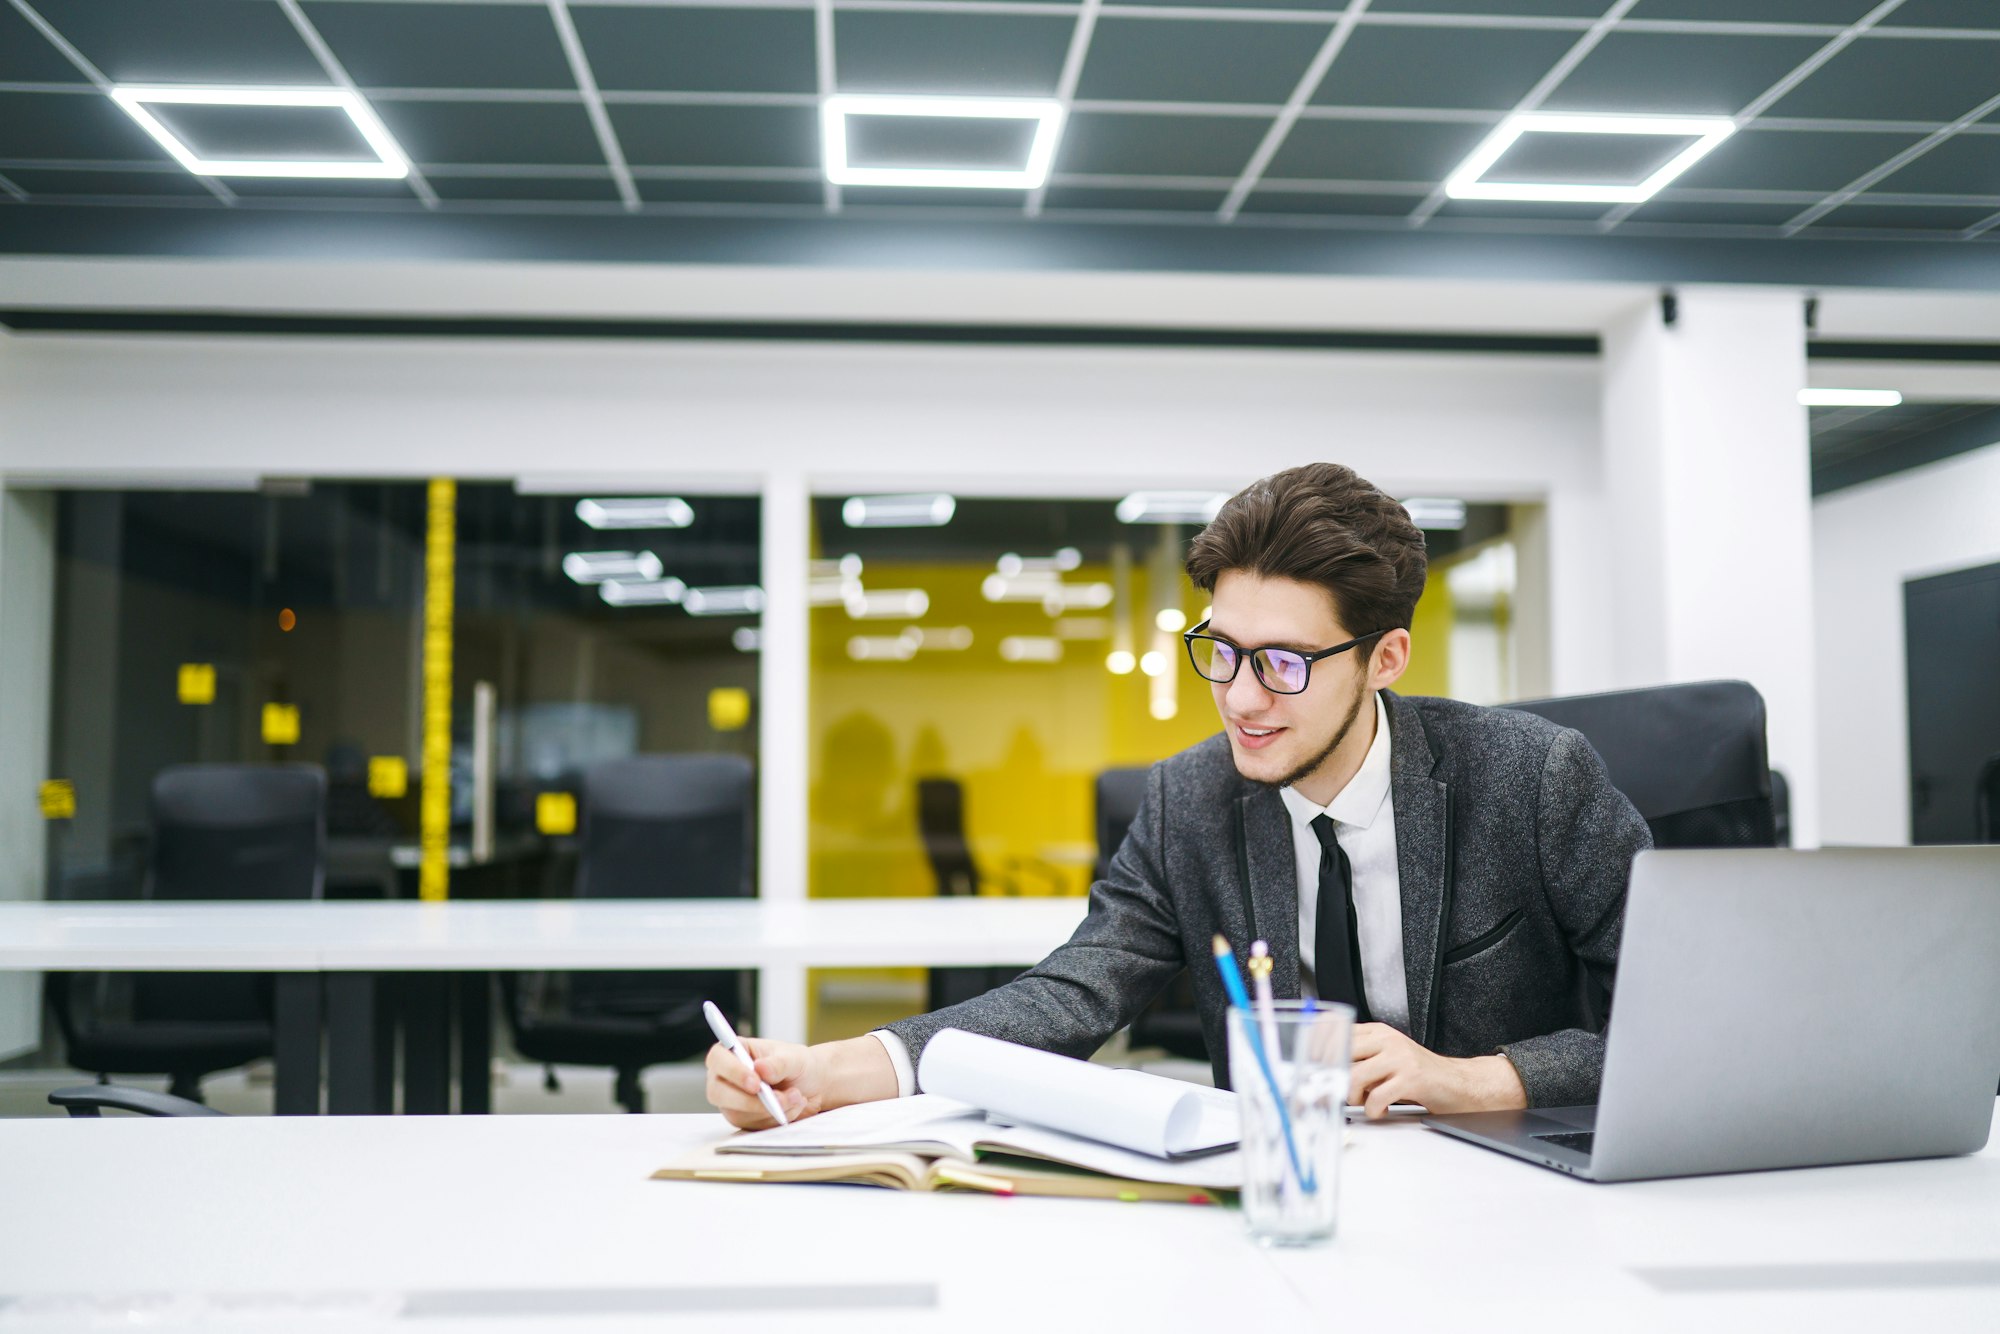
(1009, 1119)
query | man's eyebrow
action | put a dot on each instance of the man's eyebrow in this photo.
(1292, 644)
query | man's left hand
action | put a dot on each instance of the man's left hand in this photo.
(1392, 1067)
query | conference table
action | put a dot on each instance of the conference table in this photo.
(530, 1224)
(331, 959)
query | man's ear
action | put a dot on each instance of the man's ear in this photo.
(1390, 660)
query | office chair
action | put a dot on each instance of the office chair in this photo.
(1781, 809)
(941, 827)
(1986, 810)
(88, 1100)
(651, 826)
(1171, 1021)
(1690, 757)
(220, 831)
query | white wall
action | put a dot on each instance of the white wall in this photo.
(1867, 542)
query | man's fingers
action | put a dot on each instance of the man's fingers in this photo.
(1381, 1096)
(1365, 1075)
(777, 1062)
(723, 1065)
(1369, 1039)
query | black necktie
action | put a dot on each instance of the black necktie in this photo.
(1336, 940)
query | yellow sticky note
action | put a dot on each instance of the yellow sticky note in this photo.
(281, 724)
(388, 776)
(58, 799)
(728, 708)
(555, 812)
(197, 683)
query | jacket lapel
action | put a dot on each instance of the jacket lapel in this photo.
(1422, 852)
(1274, 884)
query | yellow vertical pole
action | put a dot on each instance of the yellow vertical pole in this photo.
(440, 564)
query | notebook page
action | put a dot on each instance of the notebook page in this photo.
(926, 1119)
(1145, 1113)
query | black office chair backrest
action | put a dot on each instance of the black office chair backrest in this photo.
(1690, 757)
(1986, 794)
(238, 831)
(666, 826)
(1118, 795)
(941, 825)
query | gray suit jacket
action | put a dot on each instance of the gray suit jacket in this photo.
(1513, 852)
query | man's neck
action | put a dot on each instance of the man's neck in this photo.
(1337, 770)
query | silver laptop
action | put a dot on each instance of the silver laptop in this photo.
(1786, 1009)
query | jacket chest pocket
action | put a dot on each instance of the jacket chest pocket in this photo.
(1485, 940)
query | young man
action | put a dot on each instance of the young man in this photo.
(1456, 873)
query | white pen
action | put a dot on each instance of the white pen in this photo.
(727, 1037)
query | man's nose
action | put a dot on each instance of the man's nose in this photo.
(1247, 695)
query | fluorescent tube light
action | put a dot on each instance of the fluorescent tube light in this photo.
(596, 567)
(1030, 648)
(887, 604)
(1153, 662)
(724, 600)
(642, 592)
(1120, 662)
(1434, 514)
(947, 638)
(1464, 183)
(390, 163)
(1170, 506)
(635, 512)
(747, 639)
(881, 648)
(1171, 621)
(847, 567)
(931, 510)
(835, 111)
(1076, 597)
(1064, 560)
(1849, 398)
(1082, 627)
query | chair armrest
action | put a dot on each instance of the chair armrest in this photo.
(92, 1099)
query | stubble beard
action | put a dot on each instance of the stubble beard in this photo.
(1305, 771)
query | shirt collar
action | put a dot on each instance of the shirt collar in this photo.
(1362, 799)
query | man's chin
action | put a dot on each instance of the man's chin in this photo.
(1259, 766)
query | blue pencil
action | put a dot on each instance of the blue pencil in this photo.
(1232, 982)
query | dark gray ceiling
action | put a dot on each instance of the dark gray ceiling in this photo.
(1855, 445)
(1863, 121)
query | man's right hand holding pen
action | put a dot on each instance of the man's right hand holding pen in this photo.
(806, 1080)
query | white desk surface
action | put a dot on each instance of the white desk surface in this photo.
(568, 933)
(241, 1223)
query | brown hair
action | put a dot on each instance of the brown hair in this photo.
(1320, 524)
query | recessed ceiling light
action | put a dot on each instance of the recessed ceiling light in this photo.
(1435, 514)
(921, 511)
(1170, 506)
(1464, 183)
(1849, 398)
(724, 600)
(391, 164)
(595, 567)
(642, 592)
(1048, 114)
(635, 512)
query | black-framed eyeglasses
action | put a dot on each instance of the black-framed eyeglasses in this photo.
(1282, 671)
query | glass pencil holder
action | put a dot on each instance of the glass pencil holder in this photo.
(1289, 1070)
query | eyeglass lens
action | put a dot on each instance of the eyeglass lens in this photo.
(1278, 669)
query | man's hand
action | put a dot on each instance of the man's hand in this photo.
(1392, 1067)
(807, 1080)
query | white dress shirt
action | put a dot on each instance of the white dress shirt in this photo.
(1364, 815)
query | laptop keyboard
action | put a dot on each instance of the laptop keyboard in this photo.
(1571, 1139)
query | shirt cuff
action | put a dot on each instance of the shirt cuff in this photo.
(899, 1056)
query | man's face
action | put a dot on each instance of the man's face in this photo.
(1280, 739)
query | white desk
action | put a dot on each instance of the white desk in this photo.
(344, 939)
(238, 1223)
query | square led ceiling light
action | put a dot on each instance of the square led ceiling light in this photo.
(1465, 182)
(390, 163)
(1048, 115)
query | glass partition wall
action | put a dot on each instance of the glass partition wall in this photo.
(976, 664)
(286, 625)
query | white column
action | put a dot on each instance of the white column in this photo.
(1708, 483)
(27, 626)
(782, 745)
